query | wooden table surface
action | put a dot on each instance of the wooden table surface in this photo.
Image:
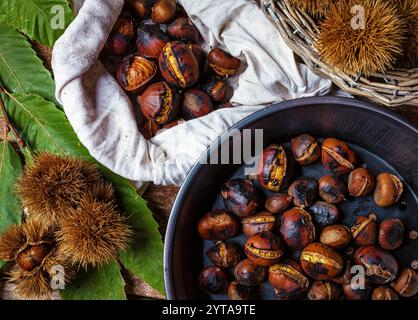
(161, 198)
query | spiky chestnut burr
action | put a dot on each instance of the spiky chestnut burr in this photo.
(316, 8)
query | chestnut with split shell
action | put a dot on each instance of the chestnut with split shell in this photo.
(337, 156)
(320, 262)
(264, 248)
(389, 189)
(249, 274)
(337, 236)
(214, 280)
(218, 225)
(297, 229)
(391, 234)
(324, 290)
(306, 149)
(364, 230)
(384, 293)
(223, 63)
(262, 221)
(360, 182)
(240, 197)
(224, 254)
(332, 189)
(304, 192)
(406, 284)
(324, 213)
(134, 72)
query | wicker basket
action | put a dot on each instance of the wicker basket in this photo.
(393, 88)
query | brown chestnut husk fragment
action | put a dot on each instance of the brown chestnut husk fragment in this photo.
(31, 257)
(240, 197)
(389, 189)
(360, 182)
(264, 248)
(262, 221)
(304, 192)
(381, 267)
(160, 103)
(275, 168)
(223, 63)
(278, 203)
(237, 291)
(324, 290)
(332, 189)
(384, 293)
(164, 11)
(321, 262)
(337, 236)
(249, 274)
(214, 280)
(324, 213)
(364, 230)
(391, 234)
(183, 30)
(196, 104)
(337, 156)
(406, 285)
(224, 254)
(297, 229)
(306, 149)
(150, 41)
(178, 65)
(134, 72)
(288, 280)
(218, 225)
(216, 87)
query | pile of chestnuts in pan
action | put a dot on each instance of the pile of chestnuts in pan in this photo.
(155, 53)
(293, 240)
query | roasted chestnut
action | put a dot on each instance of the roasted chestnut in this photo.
(150, 41)
(306, 149)
(275, 168)
(200, 56)
(149, 129)
(224, 254)
(391, 234)
(263, 221)
(337, 236)
(178, 65)
(240, 197)
(364, 230)
(196, 103)
(142, 8)
(164, 11)
(218, 225)
(406, 285)
(332, 189)
(160, 103)
(354, 291)
(297, 229)
(134, 72)
(345, 276)
(249, 274)
(324, 290)
(288, 280)
(123, 32)
(388, 190)
(337, 156)
(324, 213)
(183, 30)
(278, 203)
(216, 87)
(304, 192)
(264, 248)
(321, 262)
(214, 280)
(381, 267)
(237, 291)
(360, 182)
(384, 293)
(223, 63)
(31, 257)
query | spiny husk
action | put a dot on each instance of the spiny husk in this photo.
(362, 51)
(53, 184)
(11, 241)
(103, 192)
(93, 234)
(316, 8)
(409, 12)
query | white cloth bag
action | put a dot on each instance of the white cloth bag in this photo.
(102, 114)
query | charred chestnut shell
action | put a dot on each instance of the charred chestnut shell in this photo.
(262, 221)
(263, 248)
(306, 149)
(381, 267)
(164, 11)
(391, 234)
(337, 236)
(150, 41)
(218, 225)
(216, 87)
(324, 213)
(297, 229)
(360, 182)
(223, 63)
(332, 189)
(240, 197)
(237, 291)
(389, 189)
(249, 274)
(406, 285)
(321, 262)
(134, 72)
(337, 156)
(288, 280)
(324, 290)
(356, 292)
(384, 293)
(304, 192)
(278, 203)
(141, 8)
(224, 254)
(178, 65)
(214, 280)
(364, 230)
(183, 30)
(160, 103)
(196, 104)
(275, 168)
(121, 36)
